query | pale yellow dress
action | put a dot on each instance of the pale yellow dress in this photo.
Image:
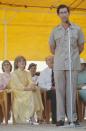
(25, 103)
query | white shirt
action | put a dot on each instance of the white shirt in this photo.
(44, 80)
(35, 79)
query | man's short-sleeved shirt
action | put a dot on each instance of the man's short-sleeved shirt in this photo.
(59, 38)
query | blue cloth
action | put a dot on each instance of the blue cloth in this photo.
(81, 82)
(82, 94)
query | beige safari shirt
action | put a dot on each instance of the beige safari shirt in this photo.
(59, 38)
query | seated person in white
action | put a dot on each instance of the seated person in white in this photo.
(46, 82)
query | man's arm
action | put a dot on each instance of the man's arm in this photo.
(52, 43)
(80, 41)
(81, 48)
(52, 49)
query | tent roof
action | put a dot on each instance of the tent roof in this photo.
(25, 26)
(74, 4)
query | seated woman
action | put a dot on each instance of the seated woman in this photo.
(26, 100)
(32, 68)
(4, 80)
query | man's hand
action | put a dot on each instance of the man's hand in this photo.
(81, 48)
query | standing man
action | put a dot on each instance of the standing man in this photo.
(59, 46)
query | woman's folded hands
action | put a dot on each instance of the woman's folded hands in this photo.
(31, 87)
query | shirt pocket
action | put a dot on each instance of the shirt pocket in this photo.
(58, 38)
(74, 38)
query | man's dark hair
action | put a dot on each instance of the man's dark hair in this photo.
(61, 7)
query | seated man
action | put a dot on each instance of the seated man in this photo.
(46, 82)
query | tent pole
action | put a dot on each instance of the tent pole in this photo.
(5, 36)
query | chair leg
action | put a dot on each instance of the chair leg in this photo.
(9, 105)
(4, 113)
(43, 100)
(48, 110)
(6, 108)
(1, 114)
(46, 107)
(12, 100)
(79, 108)
(83, 112)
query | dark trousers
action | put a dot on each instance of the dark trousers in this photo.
(51, 95)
